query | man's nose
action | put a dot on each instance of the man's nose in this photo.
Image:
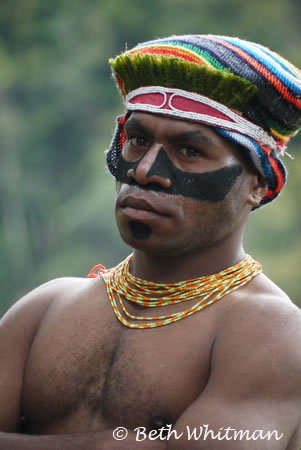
(147, 171)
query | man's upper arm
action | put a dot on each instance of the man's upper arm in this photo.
(254, 387)
(17, 330)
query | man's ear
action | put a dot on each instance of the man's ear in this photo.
(258, 189)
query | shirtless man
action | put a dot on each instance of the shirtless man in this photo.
(190, 163)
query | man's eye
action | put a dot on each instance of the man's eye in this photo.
(190, 152)
(138, 141)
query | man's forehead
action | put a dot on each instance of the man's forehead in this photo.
(175, 129)
(171, 125)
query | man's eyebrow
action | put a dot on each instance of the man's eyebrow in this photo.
(195, 135)
(132, 122)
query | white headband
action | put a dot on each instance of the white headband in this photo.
(189, 105)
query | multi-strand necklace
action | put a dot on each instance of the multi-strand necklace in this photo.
(121, 284)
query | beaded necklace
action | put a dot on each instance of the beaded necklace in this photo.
(120, 283)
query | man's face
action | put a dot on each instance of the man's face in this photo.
(181, 186)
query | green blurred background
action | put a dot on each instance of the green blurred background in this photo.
(57, 114)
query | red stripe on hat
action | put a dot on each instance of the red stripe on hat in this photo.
(278, 173)
(179, 103)
(169, 51)
(123, 136)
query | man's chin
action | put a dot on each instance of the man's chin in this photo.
(140, 231)
(137, 235)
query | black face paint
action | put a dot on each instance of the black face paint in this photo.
(211, 186)
(140, 230)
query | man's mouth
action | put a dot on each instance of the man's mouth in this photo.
(140, 209)
(139, 203)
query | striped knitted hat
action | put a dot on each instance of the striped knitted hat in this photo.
(243, 90)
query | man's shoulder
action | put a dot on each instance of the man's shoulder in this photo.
(33, 306)
(257, 348)
(264, 327)
(263, 300)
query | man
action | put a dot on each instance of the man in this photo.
(186, 344)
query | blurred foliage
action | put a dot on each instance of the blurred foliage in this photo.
(57, 113)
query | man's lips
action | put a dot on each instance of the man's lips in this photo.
(139, 203)
(140, 209)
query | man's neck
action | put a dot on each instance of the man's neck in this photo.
(160, 268)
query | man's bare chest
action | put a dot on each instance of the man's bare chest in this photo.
(86, 371)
